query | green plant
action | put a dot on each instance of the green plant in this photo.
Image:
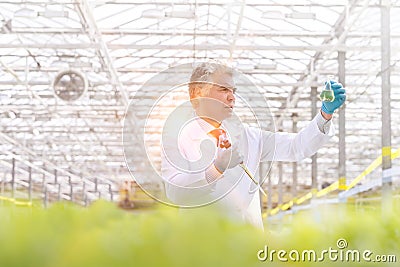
(103, 235)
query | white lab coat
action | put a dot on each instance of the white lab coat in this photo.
(234, 193)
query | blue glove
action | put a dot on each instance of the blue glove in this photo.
(340, 97)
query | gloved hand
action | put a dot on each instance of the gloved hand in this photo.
(340, 97)
(227, 158)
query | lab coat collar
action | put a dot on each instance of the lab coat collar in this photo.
(201, 128)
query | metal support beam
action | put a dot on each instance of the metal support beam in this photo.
(33, 154)
(342, 119)
(342, 26)
(153, 70)
(183, 32)
(221, 3)
(314, 171)
(59, 193)
(324, 55)
(45, 197)
(95, 184)
(88, 20)
(71, 190)
(44, 178)
(97, 38)
(203, 47)
(235, 37)
(111, 192)
(386, 109)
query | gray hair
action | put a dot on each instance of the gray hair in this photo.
(201, 76)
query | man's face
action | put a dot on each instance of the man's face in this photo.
(219, 102)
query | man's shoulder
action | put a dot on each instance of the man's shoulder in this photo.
(191, 132)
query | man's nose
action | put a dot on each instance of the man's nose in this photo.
(231, 96)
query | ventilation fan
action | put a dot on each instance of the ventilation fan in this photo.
(70, 85)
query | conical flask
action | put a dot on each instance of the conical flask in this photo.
(327, 94)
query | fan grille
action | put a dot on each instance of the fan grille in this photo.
(70, 85)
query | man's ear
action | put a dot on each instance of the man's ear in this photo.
(197, 91)
(195, 102)
(196, 94)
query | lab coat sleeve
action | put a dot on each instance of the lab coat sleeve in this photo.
(281, 146)
(182, 186)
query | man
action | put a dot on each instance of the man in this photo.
(206, 170)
